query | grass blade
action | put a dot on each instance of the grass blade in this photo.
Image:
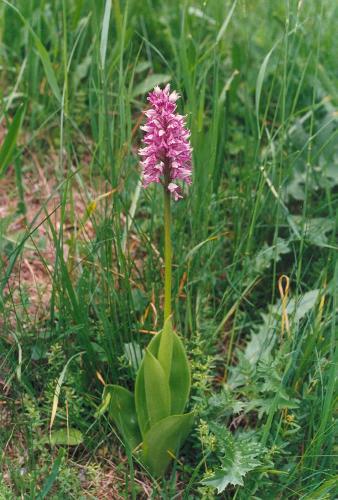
(259, 83)
(50, 74)
(104, 33)
(225, 23)
(58, 389)
(7, 149)
(52, 476)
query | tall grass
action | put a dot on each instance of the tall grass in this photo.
(258, 84)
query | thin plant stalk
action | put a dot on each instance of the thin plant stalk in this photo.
(167, 255)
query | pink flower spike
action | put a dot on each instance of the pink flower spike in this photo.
(166, 155)
(175, 190)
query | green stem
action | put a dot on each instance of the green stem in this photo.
(167, 255)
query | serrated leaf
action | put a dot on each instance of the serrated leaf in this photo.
(240, 457)
(164, 439)
(301, 306)
(296, 186)
(322, 176)
(331, 172)
(224, 402)
(149, 83)
(263, 406)
(316, 229)
(262, 342)
(267, 254)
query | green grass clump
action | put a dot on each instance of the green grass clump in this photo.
(81, 268)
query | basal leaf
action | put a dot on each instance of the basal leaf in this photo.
(164, 439)
(121, 406)
(140, 400)
(179, 381)
(156, 389)
(165, 351)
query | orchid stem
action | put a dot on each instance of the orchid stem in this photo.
(167, 255)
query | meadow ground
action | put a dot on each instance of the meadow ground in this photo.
(255, 280)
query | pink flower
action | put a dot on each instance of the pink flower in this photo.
(167, 152)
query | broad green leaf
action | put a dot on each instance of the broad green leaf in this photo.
(149, 83)
(64, 436)
(121, 406)
(156, 389)
(8, 146)
(163, 440)
(179, 381)
(140, 400)
(165, 351)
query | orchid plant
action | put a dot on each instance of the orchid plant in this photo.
(152, 422)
